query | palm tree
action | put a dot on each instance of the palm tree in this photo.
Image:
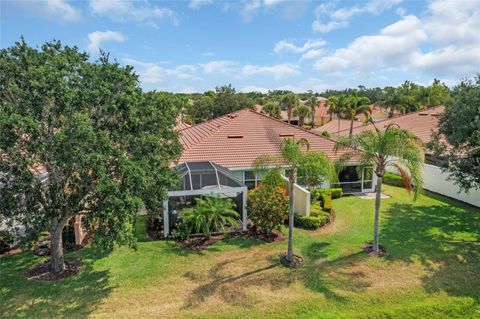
(210, 214)
(393, 147)
(357, 105)
(302, 112)
(337, 106)
(271, 109)
(312, 102)
(289, 101)
(291, 158)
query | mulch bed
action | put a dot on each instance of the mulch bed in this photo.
(45, 272)
(368, 248)
(200, 243)
(13, 251)
(272, 237)
(295, 263)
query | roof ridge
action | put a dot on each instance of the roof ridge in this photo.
(396, 118)
(214, 119)
(293, 126)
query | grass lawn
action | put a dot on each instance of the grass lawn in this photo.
(432, 270)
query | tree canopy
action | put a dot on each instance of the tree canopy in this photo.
(80, 137)
(460, 124)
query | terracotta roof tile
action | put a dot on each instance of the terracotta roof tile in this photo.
(332, 126)
(237, 139)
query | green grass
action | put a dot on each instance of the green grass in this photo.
(432, 269)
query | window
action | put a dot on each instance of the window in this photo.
(249, 179)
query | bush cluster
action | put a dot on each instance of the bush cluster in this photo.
(268, 207)
(312, 222)
(393, 179)
(316, 195)
(6, 240)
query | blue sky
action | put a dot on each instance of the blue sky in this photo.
(193, 46)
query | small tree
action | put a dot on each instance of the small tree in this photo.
(393, 147)
(268, 206)
(80, 138)
(356, 105)
(338, 105)
(289, 101)
(272, 109)
(292, 157)
(315, 168)
(302, 112)
(210, 214)
(313, 103)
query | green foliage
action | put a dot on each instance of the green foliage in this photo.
(327, 203)
(103, 146)
(210, 214)
(289, 102)
(272, 109)
(326, 134)
(311, 222)
(182, 232)
(393, 179)
(332, 192)
(6, 240)
(460, 124)
(221, 102)
(267, 207)
(315, 168)
(302, 112)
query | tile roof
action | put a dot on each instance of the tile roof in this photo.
(422, 123)
(332, 126)
(237, 139)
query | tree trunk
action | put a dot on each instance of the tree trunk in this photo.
(56, 243)
(377, 212)
(290, 223)
(351, 125)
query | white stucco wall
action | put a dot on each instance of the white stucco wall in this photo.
(436, 181)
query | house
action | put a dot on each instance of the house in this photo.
(335, 126)
(322, 115)
(231, 143)
(424, 124)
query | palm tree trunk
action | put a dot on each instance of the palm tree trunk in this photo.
(377, 212)
(351, 125)
(290, 223)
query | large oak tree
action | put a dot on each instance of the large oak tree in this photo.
(80, 137)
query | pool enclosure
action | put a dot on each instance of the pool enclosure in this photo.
(203, 179)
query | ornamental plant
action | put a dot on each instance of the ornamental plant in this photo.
(268, 207)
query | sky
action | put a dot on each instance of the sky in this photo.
(260, 45)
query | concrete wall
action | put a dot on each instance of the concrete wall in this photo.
(436, 181)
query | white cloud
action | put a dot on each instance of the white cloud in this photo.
(220, 66)
(54, 8)
(278, 71)
(253, 88)
(152, 73)
(444, 42)
(141, 12)
(328, 19)
(208, 54)
(196, 4)
(253, 6)
(96, 38)
(312, 54)
(284, 45)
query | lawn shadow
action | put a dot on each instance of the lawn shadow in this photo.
(445, 239)
(332, 278)
(231, 287)
(74, 297)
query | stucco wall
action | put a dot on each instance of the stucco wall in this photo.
(436, 181)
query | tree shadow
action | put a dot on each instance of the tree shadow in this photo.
(232, 288)
(74, 297)
(332, 278)
(444, 239)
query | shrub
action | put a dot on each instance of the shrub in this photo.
(311, 222)
(326, 134)
(6, 240)
(393, 179)
(327, 203)
(333, 192)
(268, 207)
(210, 214)
(155, 227)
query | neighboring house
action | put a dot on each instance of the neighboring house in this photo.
(424, 124)
(335, 126)
(236, 140)
(321, 113)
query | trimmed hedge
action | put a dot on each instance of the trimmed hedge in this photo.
(311, 222)
(393, 179)
(327, 203)
(333, 192)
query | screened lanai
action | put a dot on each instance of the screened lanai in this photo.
(203, 179)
